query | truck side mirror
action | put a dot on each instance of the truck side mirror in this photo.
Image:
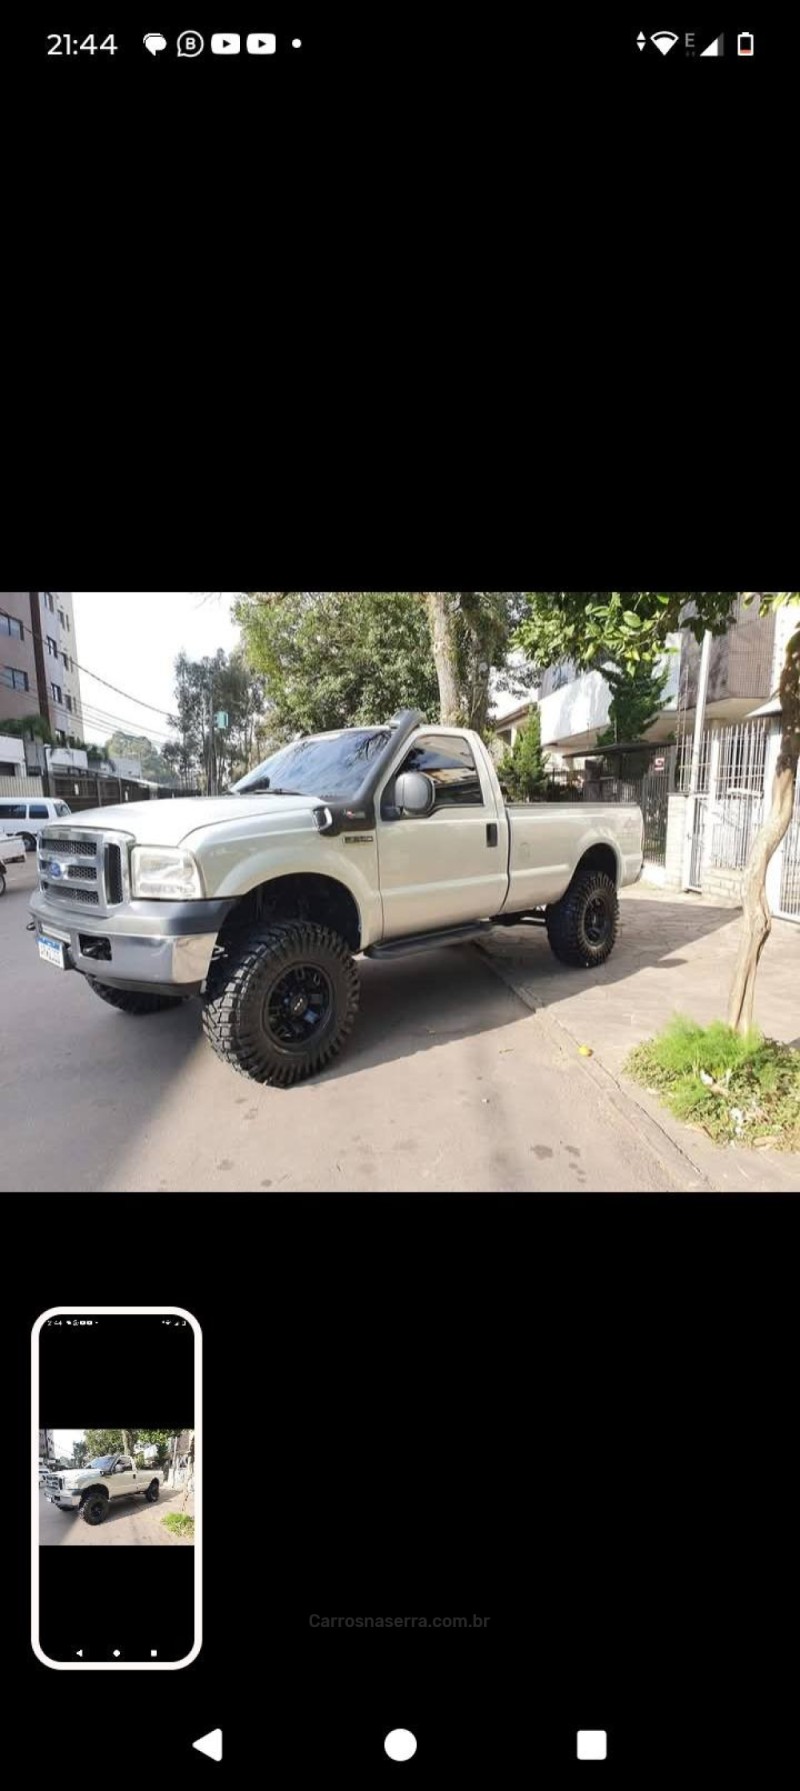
(414, 793)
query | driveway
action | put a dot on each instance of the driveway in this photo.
(448, 1082)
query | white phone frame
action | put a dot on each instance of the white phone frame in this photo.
(113, 1666)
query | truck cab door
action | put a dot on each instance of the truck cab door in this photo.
(449, 866)
(123, 1478)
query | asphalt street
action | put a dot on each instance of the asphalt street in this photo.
(448, 1082)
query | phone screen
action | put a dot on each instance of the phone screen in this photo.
(116, 1541)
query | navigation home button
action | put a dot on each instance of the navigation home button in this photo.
(210, 1744)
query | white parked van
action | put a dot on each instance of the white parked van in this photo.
(28, 815)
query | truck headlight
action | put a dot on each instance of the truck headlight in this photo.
(164, 875)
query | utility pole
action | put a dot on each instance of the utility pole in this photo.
(211, 779)
(694, 772)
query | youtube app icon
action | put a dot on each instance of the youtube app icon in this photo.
(225, 43)
(261, 43)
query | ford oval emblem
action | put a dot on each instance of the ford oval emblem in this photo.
(56, 870)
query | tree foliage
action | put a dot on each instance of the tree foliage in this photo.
(334, 659)
(637, 695)
(137, 746)
(523, 770)
(203, 687)
(624, 627)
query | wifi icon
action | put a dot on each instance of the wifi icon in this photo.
(664, 41)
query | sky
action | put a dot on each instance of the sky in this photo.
(63, 1440)
(131, 638)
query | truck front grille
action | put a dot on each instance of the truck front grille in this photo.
(81, 869)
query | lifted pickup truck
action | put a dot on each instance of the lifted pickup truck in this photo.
(90, 1490)
(382, 840)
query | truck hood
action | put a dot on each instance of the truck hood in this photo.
(170, 823)
(75, 1477)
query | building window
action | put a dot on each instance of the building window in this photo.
(62, 618)
(65, 657)
(69, 626)
(52, 647)
(10, 625)
(48, 597)
(13, 679)
(61, 737)
(55, 692)
(69, 702)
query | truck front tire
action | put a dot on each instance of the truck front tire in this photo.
(133, 1001)
(583, 926)
(94, 1509)
(280, 1001)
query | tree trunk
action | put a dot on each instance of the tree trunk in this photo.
(757, 919)
(441, 616)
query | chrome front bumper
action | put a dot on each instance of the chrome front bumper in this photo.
(64, 1498)
(144, 945)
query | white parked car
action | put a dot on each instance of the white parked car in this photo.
(90, 1489)
(28, 815)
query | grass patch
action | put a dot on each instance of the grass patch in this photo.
(740, 1090)
(179, 1523)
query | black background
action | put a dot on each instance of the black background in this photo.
(567, 1415)
(101, 1597)
(471, 309)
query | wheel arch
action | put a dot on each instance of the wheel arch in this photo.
(600, 857)
(299, 895)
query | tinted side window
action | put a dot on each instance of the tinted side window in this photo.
(13, 811)
(449, 762)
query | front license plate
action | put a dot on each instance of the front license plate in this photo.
(52, 951)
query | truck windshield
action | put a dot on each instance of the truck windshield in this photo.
(103, 1462)
(326, 765)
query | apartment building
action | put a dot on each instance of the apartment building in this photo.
(38, 652)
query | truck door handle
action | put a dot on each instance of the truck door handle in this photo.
(491, 833)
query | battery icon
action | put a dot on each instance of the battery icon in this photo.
(744, 43)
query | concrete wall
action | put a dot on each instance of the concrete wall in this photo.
(12, 752)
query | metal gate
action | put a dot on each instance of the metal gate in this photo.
(653, 798)
(789, 899)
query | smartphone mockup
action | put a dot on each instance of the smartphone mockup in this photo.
(116, 1530)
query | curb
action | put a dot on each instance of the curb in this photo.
(676, 1157)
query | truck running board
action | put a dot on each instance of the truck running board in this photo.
(400, 948)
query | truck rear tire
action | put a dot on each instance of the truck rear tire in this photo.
(134, 1001)
(2, 882)
(583, 926)
(280, 1001)
(152, 1492)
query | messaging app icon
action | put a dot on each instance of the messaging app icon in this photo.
(190, 43)
(155, 42)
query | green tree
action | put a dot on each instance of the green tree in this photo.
(631, 628)
(79, 1453)
(637, 696)
(138, 746)
(523, 770)
(203, 687)
(333, 659)
(29, 727)
(471, 633)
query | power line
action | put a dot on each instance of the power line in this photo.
(140, 701)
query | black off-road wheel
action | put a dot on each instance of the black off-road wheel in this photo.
(280, 1001)
(94, 1509)
(152, 1492)
(134, 1001)
(2, 882)
(28, 842)
(582, 927)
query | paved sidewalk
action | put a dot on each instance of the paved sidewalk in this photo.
(675, 954)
